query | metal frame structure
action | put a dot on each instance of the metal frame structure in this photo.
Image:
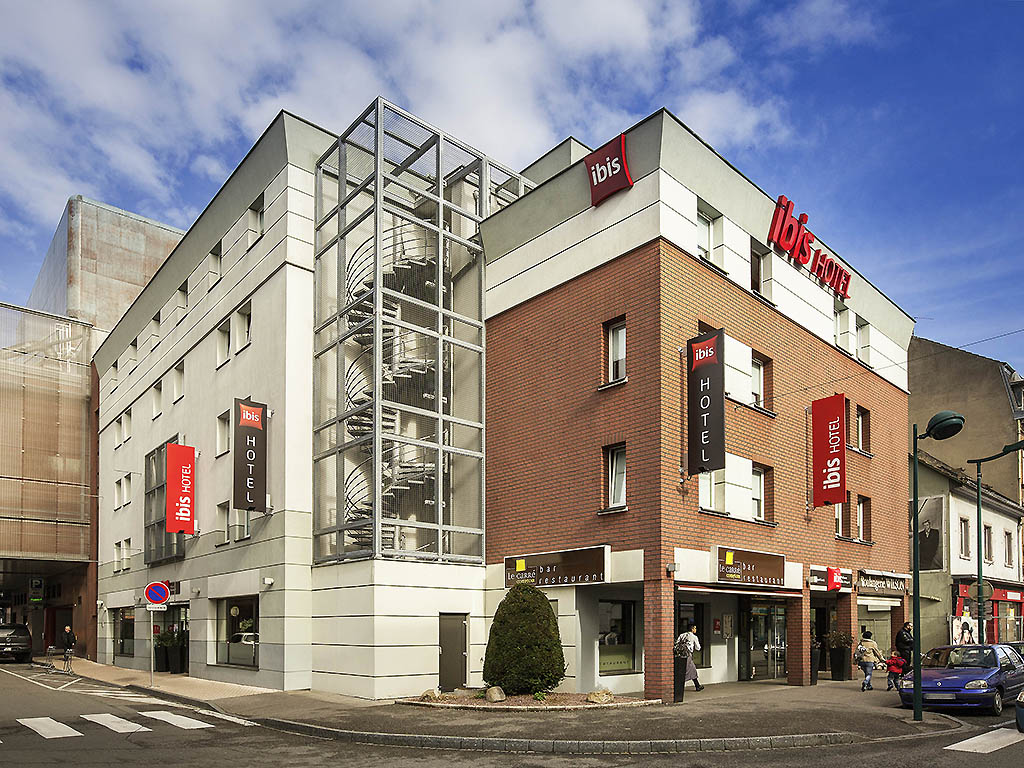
(398, 442)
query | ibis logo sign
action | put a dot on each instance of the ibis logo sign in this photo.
(250, 457)
(608, 170)
(791, 234)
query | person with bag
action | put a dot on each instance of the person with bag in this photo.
(685, 646)
(866, 655)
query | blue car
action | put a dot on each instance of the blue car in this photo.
(977, 676)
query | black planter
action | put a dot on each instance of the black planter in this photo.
(174, 659)
(815, 661)
(183, 651)
(839, 659)
(160, 658)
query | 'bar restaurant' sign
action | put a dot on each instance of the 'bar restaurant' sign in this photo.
(554, 569)
(742, 566)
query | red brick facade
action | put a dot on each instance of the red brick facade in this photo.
(548, 422)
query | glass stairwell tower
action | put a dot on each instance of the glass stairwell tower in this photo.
(398, 438)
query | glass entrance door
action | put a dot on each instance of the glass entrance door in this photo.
(766, 636)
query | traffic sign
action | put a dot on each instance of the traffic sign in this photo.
(986, 590)
(157, 592)
(156, 607)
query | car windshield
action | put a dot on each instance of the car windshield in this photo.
(7, 630)
(951, 658)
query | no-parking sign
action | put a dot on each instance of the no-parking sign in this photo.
(157, 592)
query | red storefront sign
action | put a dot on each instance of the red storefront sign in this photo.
(181, 488)
(828, 450)
(834, 579)
(792, 236)
(607, 170)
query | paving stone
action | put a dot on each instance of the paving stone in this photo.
(517, 745)
(616, 747)
(542, 745)
(712, 745)
(590, 747)
(567, 747)
(741, 743)
(689, 745)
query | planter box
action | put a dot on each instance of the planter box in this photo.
(174, 659)
(815, 661)
(839, 659)
(160, 658)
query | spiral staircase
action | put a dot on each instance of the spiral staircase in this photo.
(408, 361)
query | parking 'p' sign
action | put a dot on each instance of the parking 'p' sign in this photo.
(157, 592)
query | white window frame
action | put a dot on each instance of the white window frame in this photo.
(1008, 546)
(707, 483)
(860, 518)
(965, 538)
(702, 251)
(178, 381)
(223, 433)
(117, 493)
(126, 490)
(987, 543)
(757, 492)
(223, 336)
(838, 510)
(861, 442)
(126, 555)
(117, 556)
(126, 426)
(757, 381)
(616, 476)
(224, 521)
(158, 398)
(613, 330)
(243, 524)
(243, 332)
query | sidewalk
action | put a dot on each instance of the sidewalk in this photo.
(725, 716)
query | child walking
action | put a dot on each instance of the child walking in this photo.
(895, 664)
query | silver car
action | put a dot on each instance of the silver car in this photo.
(15, 642)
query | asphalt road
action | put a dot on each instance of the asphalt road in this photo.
(42, 723)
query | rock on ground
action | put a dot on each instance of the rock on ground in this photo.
(601, 696)
(494, 693)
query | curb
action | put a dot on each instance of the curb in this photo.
(559, 746)
(530, 707)
(175, 697)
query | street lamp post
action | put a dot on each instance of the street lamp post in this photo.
(980, 602)
(941, 426)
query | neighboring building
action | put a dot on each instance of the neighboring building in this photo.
(360, 326)
(98, 261)
(586, 443)
(989, 393)
(949, 557)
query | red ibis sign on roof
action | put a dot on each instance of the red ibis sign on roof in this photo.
(792, 236)
(607, 169)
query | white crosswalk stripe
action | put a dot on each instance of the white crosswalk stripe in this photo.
(229, 718)
(115, 723)
(178, 721)
(48, 728)
(988, 742)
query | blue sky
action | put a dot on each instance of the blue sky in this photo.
(896, 126)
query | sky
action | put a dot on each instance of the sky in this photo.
(898, 127)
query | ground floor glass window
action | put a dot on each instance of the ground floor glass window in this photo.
(238, 631)
(616, 637)
(124, 631)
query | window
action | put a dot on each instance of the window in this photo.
(863, 518)
(158, 398)
(243, 331)
(124, 631)
(863, 350)
(757, 493)
(154, 330)
(615, 458)
(224, 433)
(159, 544)
(616, 351)
(256, 219)
(1008, 548)
(704, 237)
(242, 524)
(213, 264)
(126, 426)
(223, 342)
(987, 542)
(238, 631)
(126, 489)
(711, 490)
(965, 537)
(126, 554)
(839, 519)
(182, 295)
(178, 382)
(757, 382)
(117, 556)
(863, 429)
(616, 645)
(222, 522)
(117, 494)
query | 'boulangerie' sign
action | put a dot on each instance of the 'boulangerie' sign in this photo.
(828, 450)
(250, 449)
(705, 407)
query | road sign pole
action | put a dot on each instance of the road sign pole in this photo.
(152, 652)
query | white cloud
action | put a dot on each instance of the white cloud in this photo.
(817, 23)
(727, 119)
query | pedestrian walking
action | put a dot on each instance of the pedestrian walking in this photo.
(905, 642)
(67, 643)
(895, 664)
(867, 655)
(685, 646)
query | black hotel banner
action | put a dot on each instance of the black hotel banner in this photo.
(705, 411)
(250, 463)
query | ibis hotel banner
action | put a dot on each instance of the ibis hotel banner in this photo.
(828, 450)
(181, 488)
(607, 169)
(250, 463)
(705, 412)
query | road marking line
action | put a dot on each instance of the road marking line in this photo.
(222, 716)
(988, 742)
(178, 721)
(48, 728)
(115, 723)
(26, 679)
(61, 688)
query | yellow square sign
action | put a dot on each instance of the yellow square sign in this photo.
(520, 565)
(728, 558)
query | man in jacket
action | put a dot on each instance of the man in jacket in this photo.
(905, 642)
(67, 643)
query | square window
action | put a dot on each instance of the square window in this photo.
(616, 465)
(616, 351)
(223, 335)
(711, 490)
(224, 433)
(243, 322)
(242, 523)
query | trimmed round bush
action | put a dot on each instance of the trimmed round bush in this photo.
(524, 651)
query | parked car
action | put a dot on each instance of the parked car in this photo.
(978, 676)
(1018, 646)
(16, 642)
(1020, 712)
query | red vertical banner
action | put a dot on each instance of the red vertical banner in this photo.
(181, 488)
(828, 450)
(833, 579)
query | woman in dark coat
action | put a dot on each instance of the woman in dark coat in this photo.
(685, 646)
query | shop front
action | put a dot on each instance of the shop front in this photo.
(827, 584)
(878, 594)
(1004, 613)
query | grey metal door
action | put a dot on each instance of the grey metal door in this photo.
(452, 650)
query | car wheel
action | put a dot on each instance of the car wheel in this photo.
(25, 658)
(997, 704)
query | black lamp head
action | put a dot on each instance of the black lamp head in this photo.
(944, 425)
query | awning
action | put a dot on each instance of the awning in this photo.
(879, 602)
(890, 574)
(711, 589)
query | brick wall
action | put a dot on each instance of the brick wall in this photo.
(547, 423)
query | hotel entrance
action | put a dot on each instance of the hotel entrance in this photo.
(762, 636)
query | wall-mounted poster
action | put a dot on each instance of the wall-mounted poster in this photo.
(964, 630)
(930, 524)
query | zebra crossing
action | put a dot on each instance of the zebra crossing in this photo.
(988, 742)
(50, 728)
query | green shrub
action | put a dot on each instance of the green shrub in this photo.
(524, 651)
